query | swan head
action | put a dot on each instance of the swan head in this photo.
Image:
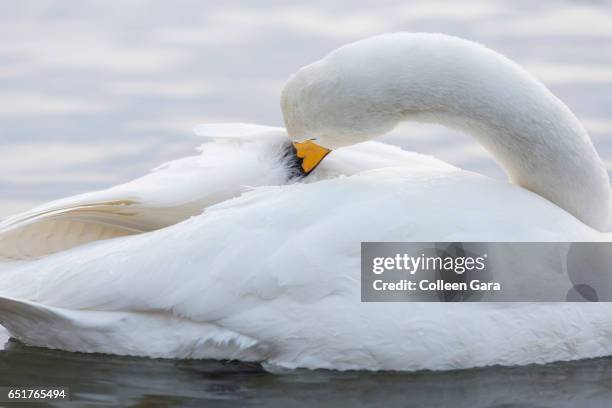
(323, 105)
(358, 92)
(328, 105)
(364, 89)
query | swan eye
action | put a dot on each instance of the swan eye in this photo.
(305, 156)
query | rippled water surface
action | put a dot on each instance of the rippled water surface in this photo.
(100, 380)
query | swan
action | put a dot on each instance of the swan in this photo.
(229, 255)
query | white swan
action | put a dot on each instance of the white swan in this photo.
(273, 275)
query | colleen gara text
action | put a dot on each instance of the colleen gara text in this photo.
(437, 285)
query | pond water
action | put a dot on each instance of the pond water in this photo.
(103, 380)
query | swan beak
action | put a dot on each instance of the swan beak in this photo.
(310, 155)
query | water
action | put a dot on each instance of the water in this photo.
(101, 380)
(95, 93)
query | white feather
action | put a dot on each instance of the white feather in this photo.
(273, 273)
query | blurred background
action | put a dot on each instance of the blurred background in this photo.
(94, 93)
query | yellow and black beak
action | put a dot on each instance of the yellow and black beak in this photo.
(305, 157)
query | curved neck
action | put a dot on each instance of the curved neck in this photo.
(540, 149)
(365, 88)
(536, 138)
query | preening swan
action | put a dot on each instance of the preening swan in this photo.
(269, 271)
(364, 89)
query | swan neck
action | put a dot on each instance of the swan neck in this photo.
(364, 89)
(537, 140)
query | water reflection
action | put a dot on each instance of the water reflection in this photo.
(103, 380)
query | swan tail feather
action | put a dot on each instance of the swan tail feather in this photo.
(161, 334)
(28, 321)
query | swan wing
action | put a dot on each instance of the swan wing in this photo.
(236, 158)
(226, 167)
